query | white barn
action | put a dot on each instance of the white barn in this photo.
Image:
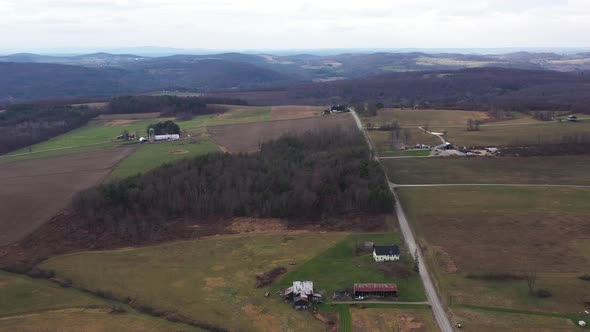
(386, 253)
(166, 137)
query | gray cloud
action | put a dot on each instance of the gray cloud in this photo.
(294, 24)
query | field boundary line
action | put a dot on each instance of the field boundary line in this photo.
(426, 185)
(56, 149)
(381, 302)
(247, 123)
(512, 311)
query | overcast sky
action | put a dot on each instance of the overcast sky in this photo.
(293, 24)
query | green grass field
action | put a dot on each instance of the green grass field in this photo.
(210, 280)
(20, 294)
(89, 320)
(339, 267)
(505, 230)
(529, 170)
(28, 304)
(151, 155)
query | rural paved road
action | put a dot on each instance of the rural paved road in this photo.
(436, 304)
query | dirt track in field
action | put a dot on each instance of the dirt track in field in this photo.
(32, 191)
(249, 137)
(290, 112)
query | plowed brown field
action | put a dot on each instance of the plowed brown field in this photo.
(32, 191)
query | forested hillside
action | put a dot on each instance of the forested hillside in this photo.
(24, 125)
(481, 88)
(310, 178)
(23, 82)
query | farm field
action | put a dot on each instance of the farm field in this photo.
(430, 117)
(518, 170)
(510, 134)
(390, 319)
(234, 115)
(89, 320)
(494, 321)
(48, 187)
(248, 137)
(39, 305)
(482, 230)
(210, 280)
(21, 295)
(408, 137)
(149, 156)
(290, 112)
(339, 267)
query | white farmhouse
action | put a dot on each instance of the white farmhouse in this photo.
(386, 253)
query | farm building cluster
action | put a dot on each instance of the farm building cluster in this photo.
(302, 294)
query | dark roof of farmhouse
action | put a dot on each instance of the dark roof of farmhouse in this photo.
(386, 250)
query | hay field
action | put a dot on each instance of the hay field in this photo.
(390, 319)
(211, 280)
(529, 170)
(480, 230)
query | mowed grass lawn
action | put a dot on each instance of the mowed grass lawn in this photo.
(430, 117)
(515, 134)
(518, 170)
(210, 280)
(338, 268)
(479, 230)
(28, 304)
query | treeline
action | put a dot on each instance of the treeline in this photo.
(318, 176)
(500, 90)
(169, 106)
(24, 125)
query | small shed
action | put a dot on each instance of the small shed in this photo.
(377, 290)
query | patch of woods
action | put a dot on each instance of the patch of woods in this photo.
(27, 124)
(317, 176)
(163, 128)
(183, 108)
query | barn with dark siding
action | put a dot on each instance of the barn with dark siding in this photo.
(375, 290)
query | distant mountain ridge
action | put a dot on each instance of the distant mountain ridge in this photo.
(105, 74)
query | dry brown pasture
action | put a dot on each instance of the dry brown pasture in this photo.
(514, 230)
(410, 320)
(32, 191)
(489, 321)
(249, 137)
(288, 112)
